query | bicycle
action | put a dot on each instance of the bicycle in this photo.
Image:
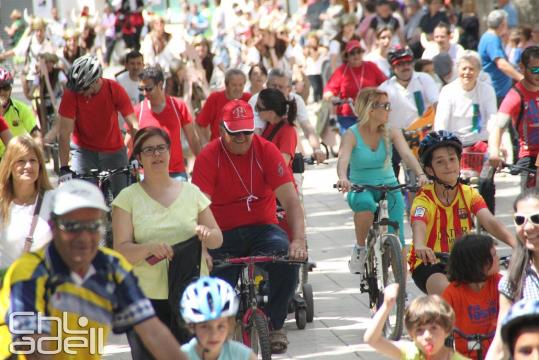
(475, 342)
(253, 329)
(516, 170)
(384, 263)
(102, 179)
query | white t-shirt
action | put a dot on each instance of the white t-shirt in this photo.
(403, 104)
(380, 61)
(455, 110)
(455, 51)
(13, 235)
(130, 86)
(303, 114)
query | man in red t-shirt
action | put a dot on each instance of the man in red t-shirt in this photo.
(89, 110)
(170, 114)
(242, 174)
(521, 105)
(210, 116)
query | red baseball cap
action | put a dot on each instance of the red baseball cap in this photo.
(352, 45)
(238, 116)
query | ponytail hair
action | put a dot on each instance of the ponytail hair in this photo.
(274, 100)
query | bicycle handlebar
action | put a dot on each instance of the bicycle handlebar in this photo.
(104, 174)
(473, 337)
(381, 188)
(337, 101)
(246, 260)
(516, 169)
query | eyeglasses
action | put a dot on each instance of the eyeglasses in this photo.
(5, 88)
(150, 150)
(259, 108)
(520, 219)
(386, 106)
(146, 88)
(238, 133)
(80, 226)
(534, 70)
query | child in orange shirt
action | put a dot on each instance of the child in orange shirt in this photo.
(473, 292)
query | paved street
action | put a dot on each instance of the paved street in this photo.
(341, 312)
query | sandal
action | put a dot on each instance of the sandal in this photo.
(278, 341)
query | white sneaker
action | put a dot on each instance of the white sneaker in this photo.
(356, 265)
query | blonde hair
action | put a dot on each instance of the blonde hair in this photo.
(429, 309)
(365, 99)
(15, 150)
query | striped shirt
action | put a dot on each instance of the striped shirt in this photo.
(41, 284)
(444, 223)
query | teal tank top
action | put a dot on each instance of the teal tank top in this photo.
(370, 167)
(231, 350)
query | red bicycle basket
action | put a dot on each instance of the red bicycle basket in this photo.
(472, 161)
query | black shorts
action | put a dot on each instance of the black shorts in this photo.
(422, 273)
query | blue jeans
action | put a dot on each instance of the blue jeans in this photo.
(345, 122)
(261, 240)
(84, 160)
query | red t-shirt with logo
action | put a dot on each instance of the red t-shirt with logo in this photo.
(3, 124)
(347, 81)
(96, 117)
(210, 114)
(174, 116)
(476, 312)
(528, 127)
(285, 139)
(232, 180)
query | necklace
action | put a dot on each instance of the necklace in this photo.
(250, 196)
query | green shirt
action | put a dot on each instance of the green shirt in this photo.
(20, 119)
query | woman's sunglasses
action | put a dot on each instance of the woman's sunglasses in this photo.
(520, 219)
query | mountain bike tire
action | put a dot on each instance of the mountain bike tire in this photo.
(258, 333)
(370, 272)
(393, 273)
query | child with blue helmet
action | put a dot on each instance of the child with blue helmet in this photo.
(209, 306)
(520, 330)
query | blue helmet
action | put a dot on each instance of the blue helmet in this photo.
(207, 299)
(522, 313)
(435, 140)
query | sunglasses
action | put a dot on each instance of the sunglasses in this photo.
(150, 150)
(355, 52)
(386, 106)
(534, 70)
(520, 219)
(147, 88)
(238, 133)
(80, 226)
(5, 88)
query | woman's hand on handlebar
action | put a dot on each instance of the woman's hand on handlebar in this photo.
(343, 185)
(425, 254)
(161, 250)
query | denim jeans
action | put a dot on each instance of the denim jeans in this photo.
(261, 240)
(84, 160)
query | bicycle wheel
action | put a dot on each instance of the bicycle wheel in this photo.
(259, 336)
(369, 283)
(393, 273)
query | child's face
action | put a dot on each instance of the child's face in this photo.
(212, 334)
(527, 345)
(495, 267)
(445, 165)
(429, 338)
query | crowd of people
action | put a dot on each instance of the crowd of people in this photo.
(208, 110)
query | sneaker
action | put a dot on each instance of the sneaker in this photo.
(356, 265)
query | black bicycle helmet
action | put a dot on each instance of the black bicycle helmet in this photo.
(435, 140)
(523, 313)
(398, 55)
(83, 73)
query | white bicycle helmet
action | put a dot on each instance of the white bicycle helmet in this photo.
(208, 298)
(84, 72)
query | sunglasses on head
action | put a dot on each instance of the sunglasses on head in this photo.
(534, 70)
(520, 219)
(238, 133)
(80, 226)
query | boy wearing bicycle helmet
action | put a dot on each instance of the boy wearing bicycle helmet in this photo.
(209, 306)
(443, 211)
(520, 330)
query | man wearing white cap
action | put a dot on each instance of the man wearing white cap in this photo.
(83, 290)
(242, 174)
